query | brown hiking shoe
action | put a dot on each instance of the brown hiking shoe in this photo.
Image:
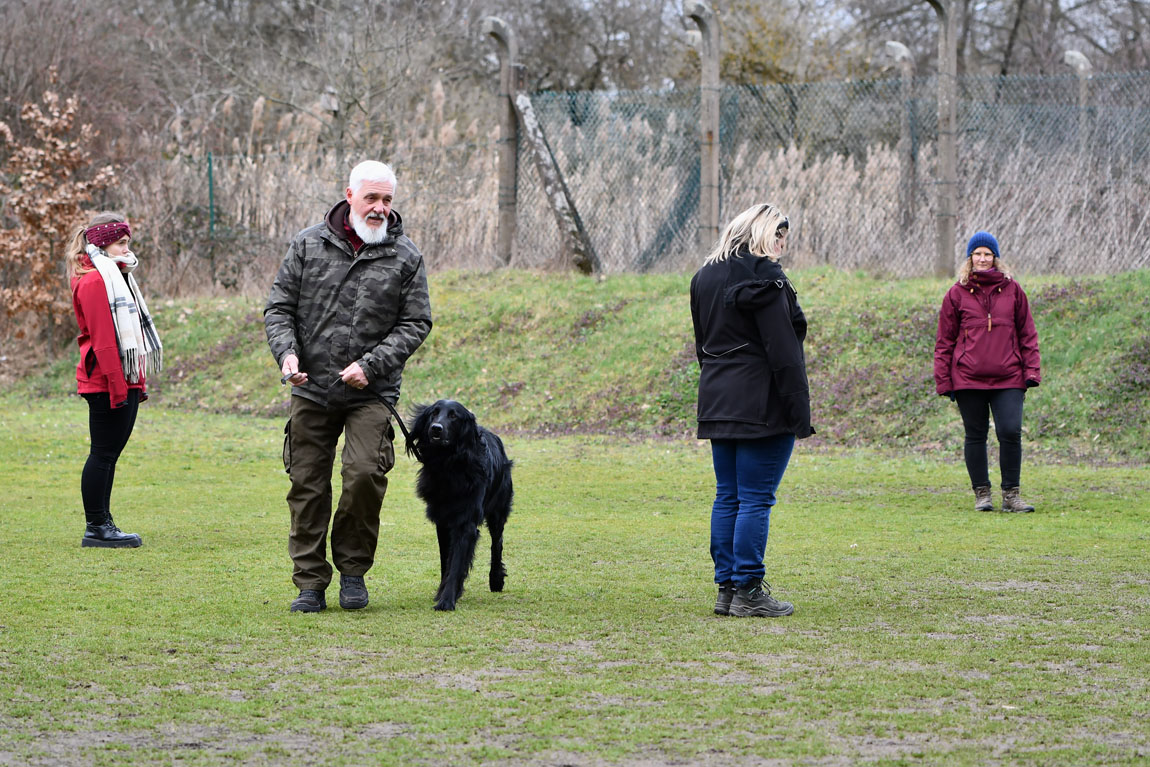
(1012, 502)
(983, 501)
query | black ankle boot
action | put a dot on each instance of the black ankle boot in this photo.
(755, 600)
(102, 532)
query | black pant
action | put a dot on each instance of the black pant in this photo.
(976, 405)
(109, 429)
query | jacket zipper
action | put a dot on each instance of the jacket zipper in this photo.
(988, 316)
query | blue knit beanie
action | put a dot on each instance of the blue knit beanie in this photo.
(982, 240)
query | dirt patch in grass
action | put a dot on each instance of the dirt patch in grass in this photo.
(1012, 585)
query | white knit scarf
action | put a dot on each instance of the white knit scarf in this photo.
(140, 347)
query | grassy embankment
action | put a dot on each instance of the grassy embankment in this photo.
(559, 354)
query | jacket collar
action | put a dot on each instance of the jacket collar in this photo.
(337, 225)
(988, 279)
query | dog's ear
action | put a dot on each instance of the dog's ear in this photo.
(419, 415)
(468, 426)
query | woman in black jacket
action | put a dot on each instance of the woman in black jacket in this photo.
(753, 397)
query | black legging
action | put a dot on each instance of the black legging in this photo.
(109, 429)
(976, 405)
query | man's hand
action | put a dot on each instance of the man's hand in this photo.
(292, 372)
(353, 376)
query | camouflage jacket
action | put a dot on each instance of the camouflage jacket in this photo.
(331, 307)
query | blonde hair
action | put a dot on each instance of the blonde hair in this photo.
(967, 267)
(79, 242)
(755, 228)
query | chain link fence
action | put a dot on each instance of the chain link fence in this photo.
(223, 221)
(630, 161)
(1066, 189)
(1064, 185)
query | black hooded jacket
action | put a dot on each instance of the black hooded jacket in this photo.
(749, 332)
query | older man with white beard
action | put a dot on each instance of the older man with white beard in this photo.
(348, 307)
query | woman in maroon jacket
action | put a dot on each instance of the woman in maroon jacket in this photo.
(985, 358)
(118, 346)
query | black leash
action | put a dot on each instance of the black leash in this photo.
(406, 433)
(402, 427)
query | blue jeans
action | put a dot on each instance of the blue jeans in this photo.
(747, 474)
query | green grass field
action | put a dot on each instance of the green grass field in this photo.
(924, 633)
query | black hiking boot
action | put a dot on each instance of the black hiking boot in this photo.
(723, 601)
(352, 592)
(102, 533)
(309, 601)
(755, 600)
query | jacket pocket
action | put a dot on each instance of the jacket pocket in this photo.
(387, 448)
(735, 390)
(287, 447)
(988, 354)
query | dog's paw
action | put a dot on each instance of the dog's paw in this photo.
(445, 606)
(496, 582)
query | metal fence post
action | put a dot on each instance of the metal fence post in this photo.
(908, 174)
(508, 134)
(1082, 67)
(708, 47)
(946, 175)
(211, 200)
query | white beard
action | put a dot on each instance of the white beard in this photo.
(369, 235)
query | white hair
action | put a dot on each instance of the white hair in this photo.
(371, 170)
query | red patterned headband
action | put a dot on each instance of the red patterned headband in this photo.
(103, 235)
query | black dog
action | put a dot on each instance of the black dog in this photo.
(465, 480)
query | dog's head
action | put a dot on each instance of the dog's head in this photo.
(441, 426)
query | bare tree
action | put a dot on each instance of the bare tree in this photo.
(1009, 36)
(610, 44)
(93, 50)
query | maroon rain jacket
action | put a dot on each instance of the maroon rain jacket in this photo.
(986, 336)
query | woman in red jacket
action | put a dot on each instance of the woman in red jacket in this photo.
(985, 358)
(118, 346)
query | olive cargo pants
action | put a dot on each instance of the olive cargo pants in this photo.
(309, 454)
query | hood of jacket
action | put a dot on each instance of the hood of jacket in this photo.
(337, 217)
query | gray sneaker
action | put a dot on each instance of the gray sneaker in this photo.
(723, 601)
(352, 592)
(754, 600)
